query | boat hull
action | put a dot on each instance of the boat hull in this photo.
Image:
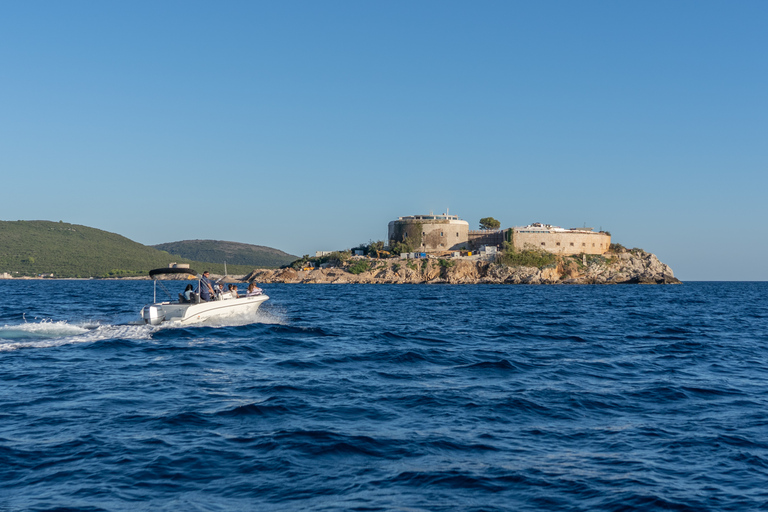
(159, 312)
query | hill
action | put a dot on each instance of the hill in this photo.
(29, 248)
(233, 253)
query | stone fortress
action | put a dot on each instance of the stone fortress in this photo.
(445, 233)
(561, 241)
(435, 232)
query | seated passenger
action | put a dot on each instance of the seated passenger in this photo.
(253, 290)
(189, 293)
(233, 291)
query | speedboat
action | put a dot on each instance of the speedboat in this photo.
(195, 310)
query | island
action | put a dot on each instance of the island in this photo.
(617, 266)
(441, 249)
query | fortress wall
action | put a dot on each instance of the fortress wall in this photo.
(493, 237)
(565, 243)
(436, 235)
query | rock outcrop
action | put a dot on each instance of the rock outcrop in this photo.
(623, 267)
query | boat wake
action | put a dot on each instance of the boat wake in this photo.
(48, 333)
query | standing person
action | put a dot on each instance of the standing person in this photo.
(206, 290)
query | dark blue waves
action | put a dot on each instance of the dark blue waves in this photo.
(477, 398)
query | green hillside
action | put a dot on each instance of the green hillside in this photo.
(29, 248)
(233, 253)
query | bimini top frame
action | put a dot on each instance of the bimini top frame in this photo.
(170, 270)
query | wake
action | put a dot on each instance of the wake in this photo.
(47, 333)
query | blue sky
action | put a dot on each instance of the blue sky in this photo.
(310, 125)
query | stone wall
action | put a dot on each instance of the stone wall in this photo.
(492, 237)
(562, 242)
(435, 234)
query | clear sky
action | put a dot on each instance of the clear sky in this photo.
(307, 125)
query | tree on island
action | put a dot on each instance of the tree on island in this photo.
(374, 249)
(489, 223)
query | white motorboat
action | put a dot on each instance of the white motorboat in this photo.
(195, 310)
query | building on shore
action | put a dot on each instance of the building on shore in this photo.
(557, 240)
(430, 233)
(443, 233)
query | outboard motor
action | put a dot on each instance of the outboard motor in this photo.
(152, 315)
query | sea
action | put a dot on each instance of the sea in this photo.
(387, 397)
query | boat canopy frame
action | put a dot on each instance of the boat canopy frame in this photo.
(170, 270)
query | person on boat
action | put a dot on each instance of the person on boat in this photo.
(253, 290)
(189, 293)
(233, 291)
(206, 290)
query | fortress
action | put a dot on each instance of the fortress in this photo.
(560, 241)
(442, 233)
(430, 233)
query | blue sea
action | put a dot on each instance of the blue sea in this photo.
(387, 397)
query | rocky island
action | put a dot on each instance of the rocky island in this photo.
(618, 266)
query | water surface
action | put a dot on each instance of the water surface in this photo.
(387, 397)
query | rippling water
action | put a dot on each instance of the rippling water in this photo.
(357, 397)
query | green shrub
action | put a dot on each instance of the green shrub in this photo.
(527, 258)
(359, 267)
(596, 258)
(617, 248)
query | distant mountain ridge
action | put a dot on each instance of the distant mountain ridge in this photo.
(234, 253)
(60, 249)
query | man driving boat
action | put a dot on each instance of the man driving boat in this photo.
(205, 289)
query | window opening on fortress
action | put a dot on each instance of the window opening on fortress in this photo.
(542, 243)
(558, 243)
(571, 244)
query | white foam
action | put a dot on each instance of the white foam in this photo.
(41, 329)
(46, 334)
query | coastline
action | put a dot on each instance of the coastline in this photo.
(630, 267)
(626, 267)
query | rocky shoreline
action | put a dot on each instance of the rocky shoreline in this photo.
(625, 267)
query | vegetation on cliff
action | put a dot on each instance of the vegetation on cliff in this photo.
(527, 258)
